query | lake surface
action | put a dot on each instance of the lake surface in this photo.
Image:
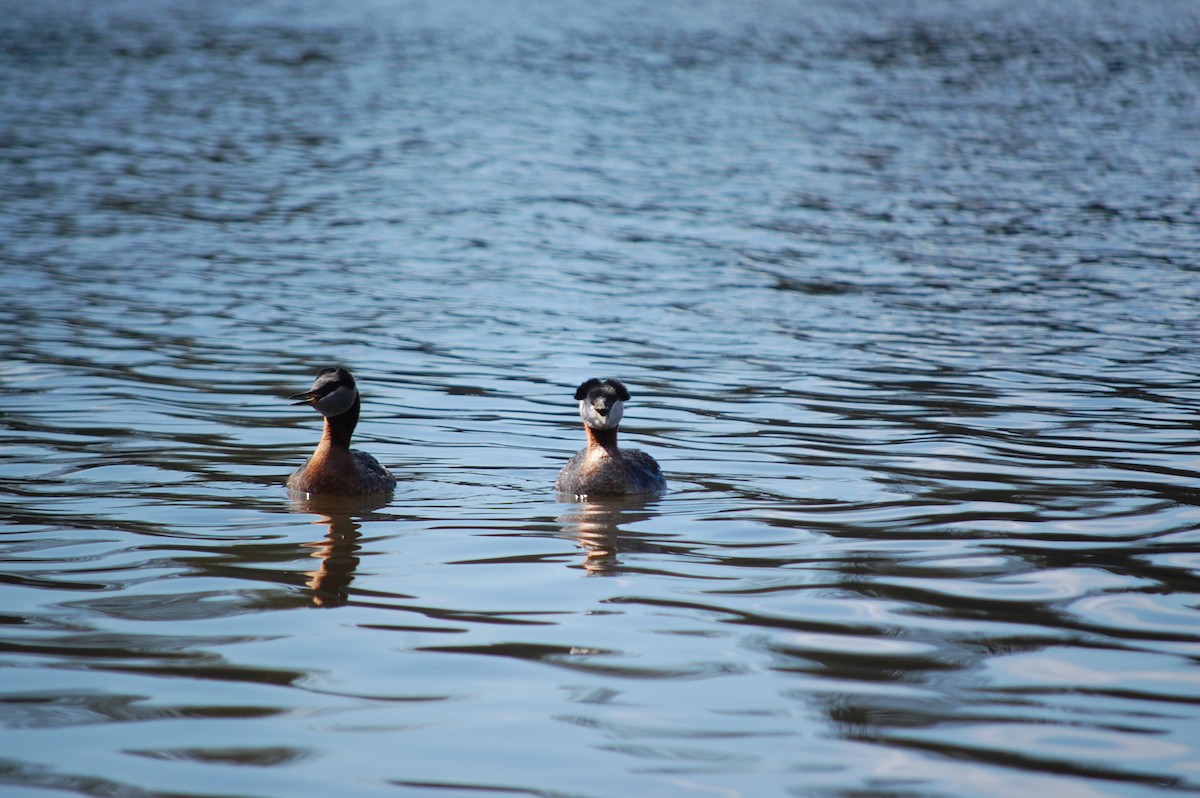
(907, 295)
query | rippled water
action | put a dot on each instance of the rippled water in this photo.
(907, 297)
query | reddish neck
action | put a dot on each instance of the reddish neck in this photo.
(605, 438)
(339, 428)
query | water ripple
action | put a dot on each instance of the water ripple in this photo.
(905, 296)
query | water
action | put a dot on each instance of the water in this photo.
(906, 295)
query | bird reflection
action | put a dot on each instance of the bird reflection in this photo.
(596, 525)
(337, 552)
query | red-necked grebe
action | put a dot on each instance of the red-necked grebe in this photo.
(602, 469)
(334, 468)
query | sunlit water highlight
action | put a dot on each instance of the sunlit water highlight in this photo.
(906, 295)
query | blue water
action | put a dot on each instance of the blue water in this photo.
(907, 296)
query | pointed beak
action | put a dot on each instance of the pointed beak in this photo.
(306, 398)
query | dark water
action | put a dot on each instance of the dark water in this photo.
(907, 294)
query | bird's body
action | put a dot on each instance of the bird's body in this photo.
(341, 472)
(602, 468)
(334, 468)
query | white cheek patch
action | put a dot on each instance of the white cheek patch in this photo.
(597, 421)
(616, 413)
(337, 402)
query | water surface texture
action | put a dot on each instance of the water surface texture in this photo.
(907, 295)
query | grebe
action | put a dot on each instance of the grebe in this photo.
(602, 469)
(335, 468)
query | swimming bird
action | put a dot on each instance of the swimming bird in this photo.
(602, 469)
(334, 468)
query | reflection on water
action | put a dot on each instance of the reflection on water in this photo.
(598, 526)
(909, 292)
(341, 518)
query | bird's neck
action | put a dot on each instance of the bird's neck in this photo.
(605, 438)
(339, 428)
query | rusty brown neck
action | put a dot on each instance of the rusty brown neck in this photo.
(339, 428)
(606, 438)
